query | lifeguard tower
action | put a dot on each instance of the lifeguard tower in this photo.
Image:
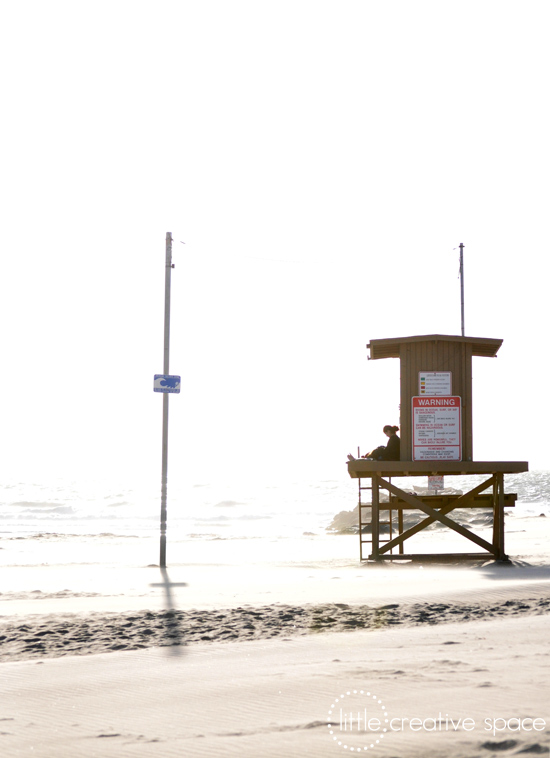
(436, 440)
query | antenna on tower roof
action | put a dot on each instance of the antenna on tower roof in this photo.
(461, 246)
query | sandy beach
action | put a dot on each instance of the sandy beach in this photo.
(273, 290)
(281, 658)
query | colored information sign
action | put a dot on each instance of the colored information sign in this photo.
(434, 383)
(167, 383)
(436, 428)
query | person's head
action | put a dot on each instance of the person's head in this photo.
(389, 431)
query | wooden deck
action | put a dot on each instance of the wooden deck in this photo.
(364, 469)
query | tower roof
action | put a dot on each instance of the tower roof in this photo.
(391, 348)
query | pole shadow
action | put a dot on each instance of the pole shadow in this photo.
(174, 633)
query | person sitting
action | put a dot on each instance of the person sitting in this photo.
(390, 452)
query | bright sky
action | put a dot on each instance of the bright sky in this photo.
(322, 161)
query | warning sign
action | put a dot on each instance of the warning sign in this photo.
(436, 428)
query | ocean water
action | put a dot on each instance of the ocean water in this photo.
(64, 521)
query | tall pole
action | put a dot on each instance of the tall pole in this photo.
(461, 246)
(166, 370)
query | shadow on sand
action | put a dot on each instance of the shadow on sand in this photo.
(515, 569)
(173, 630)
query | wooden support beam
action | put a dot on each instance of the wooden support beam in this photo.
(498, 517)
(432, 556)
(484, 500)
(458, 503)
(436, 516)
(495, 515)
(375, 525)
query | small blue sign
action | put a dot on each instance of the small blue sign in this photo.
(167, 383)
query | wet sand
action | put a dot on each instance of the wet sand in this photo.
(86, 634)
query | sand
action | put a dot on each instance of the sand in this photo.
(52, 636)
(272, 697)
(248, 660)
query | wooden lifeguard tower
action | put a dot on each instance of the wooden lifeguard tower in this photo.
(436, 440)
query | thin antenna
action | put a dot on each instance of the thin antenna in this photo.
(461, 246)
